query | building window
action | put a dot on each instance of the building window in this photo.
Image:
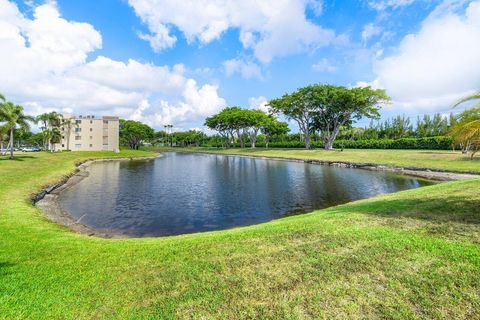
(91, 145)
(78, 121)
(91, 137)
(63, 146)
(78, 146)
(91, 121)
(105, 121)
(78, 137)
(78, 129)
(63, 137)
(91, 129)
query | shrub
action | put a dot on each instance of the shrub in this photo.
(430, 143)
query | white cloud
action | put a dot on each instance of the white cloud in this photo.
(389, 4)
(259, 102)
(324, 65)
(44, 66)
(370, 30)
(269, 28)
(431, 69)
(247, 69)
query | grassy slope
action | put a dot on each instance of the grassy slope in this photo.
(432, 159)
(414, 254)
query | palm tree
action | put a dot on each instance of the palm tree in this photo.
(48, 121)
(475, 96)
(68, 123)
(14, 117)
(3, 134)
(467, 130)
(55, 137)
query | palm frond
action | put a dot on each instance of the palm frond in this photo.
(474, 96)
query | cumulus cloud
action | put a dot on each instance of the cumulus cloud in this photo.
(324, 65)
(389, 4)
(269, 28)
(248, 69)
(259, 102)
(370, 30)
(432, 68)
(44, 67)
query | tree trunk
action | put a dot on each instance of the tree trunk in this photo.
(328, 144)
(307, 140)
(11, 143)
(68, 137)
(240, 139)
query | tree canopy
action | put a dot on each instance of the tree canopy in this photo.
(327, 108)
(133, 133)
(244, 123)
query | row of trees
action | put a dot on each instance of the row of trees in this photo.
(322, 109)
(15, 126)
(401, 127)
(237, 123)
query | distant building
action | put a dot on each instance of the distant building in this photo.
(88, 133)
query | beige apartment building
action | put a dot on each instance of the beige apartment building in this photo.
(89, 133)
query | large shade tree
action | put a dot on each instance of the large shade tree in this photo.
(133, 133)
(328, 108)
(296, 107)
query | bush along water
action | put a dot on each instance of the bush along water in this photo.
(429, 143)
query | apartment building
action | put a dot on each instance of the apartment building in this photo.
(89, 133)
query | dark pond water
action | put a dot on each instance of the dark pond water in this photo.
(185, 193)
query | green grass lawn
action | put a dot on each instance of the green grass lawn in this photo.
(414, 254)
(432, 159)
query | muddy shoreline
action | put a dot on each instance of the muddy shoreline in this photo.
(47, 200)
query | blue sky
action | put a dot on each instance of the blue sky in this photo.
(163, 61)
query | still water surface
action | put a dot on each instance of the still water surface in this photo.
(184, 193)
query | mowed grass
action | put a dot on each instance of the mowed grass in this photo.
(414, 254)
(453, 161)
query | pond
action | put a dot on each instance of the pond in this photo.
(183, 193)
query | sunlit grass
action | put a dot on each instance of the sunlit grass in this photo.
(413, 254)
(433, 159)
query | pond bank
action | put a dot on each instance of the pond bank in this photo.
(47, 199)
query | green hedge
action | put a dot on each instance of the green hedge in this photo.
(430, 143)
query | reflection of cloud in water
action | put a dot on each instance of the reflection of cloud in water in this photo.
(183, 193)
